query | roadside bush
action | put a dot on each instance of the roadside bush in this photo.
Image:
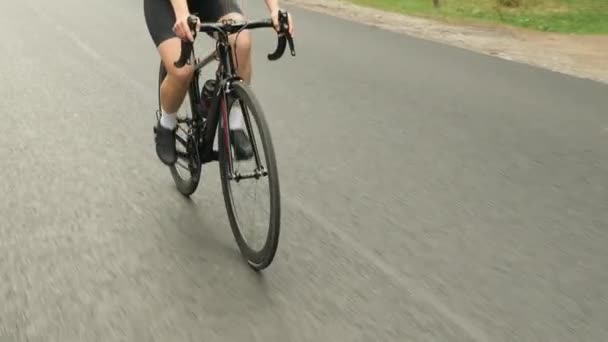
(509, 3)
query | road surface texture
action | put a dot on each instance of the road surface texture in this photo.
(429, 193)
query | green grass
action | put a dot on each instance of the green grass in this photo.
(565, 16)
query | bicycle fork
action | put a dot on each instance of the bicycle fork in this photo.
(259, 171)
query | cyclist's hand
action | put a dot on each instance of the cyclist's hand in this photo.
(275, 21)
(181, 28)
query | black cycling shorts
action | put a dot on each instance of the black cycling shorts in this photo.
(160, 17)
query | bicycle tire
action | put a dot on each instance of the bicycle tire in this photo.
(258, 260)
(185, 186)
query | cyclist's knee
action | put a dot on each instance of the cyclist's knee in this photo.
(169, 52)
(242, 43)
(181, 75)
(242, 40)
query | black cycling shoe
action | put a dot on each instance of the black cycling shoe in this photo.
(165, 144)
(242, 146)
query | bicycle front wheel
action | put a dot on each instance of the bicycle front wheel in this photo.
(259, 169)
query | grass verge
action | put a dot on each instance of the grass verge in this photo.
(564, 16)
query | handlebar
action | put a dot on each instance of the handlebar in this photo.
(226, 28)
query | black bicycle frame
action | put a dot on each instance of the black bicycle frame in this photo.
(225, 74)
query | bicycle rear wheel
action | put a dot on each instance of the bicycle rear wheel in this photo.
(186, 171)
(264, 166)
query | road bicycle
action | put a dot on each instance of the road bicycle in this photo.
(210, 110)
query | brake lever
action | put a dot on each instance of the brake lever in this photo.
(291, 45)
(186, 49)
(284, 38)
(184, 55)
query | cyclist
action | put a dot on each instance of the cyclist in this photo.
(167, 24)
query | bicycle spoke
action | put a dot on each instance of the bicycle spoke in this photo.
(182, 129)
(182, 141)
(183, 155)
(185, 167)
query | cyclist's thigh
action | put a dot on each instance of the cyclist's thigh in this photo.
(170, 51)
(160, 19)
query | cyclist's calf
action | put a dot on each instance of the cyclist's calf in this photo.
(174, 87)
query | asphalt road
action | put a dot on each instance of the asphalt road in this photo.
(429, 193)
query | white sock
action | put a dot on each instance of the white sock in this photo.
(168, 121)
(215, 140)
(236, 122)
(236, 117)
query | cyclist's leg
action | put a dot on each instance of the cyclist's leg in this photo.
(241, 45)
(212, 11)
(218, 10)
(159, 20)
(174, 87)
